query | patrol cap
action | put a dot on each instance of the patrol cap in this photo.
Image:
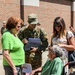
(4, 22)
(33, 18)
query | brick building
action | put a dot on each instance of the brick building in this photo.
(46, 11)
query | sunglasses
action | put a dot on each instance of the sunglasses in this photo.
(4, 23)
(58, 26)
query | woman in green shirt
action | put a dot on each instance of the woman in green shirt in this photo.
(13, 53)
(54, 65)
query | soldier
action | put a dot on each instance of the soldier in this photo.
(32, 31)
(3, 29)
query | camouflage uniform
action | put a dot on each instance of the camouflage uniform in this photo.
(35, 59)
(3, 29)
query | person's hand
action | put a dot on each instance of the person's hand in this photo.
(49, 46)
(33, 72)
(33, 49)
(61, 45)
(25, 41)
(15, 71)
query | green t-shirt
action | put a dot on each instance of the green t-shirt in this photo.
(15, 47)
(53, 67)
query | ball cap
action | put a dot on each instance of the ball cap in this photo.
(33, 18)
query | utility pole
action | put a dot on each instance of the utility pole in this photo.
(21, 10)
(73, 13)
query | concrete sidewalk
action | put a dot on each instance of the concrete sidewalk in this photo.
(1, 66)
(0, 52)
(44, 58)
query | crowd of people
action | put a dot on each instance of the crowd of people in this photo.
(15, 37)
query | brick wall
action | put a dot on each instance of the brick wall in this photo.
(9, 8)
(47, 11)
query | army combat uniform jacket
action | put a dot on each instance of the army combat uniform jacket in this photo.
(3, 29)
(37, 32)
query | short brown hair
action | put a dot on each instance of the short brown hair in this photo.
(12, 22)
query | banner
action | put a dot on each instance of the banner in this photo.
(30, 2)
